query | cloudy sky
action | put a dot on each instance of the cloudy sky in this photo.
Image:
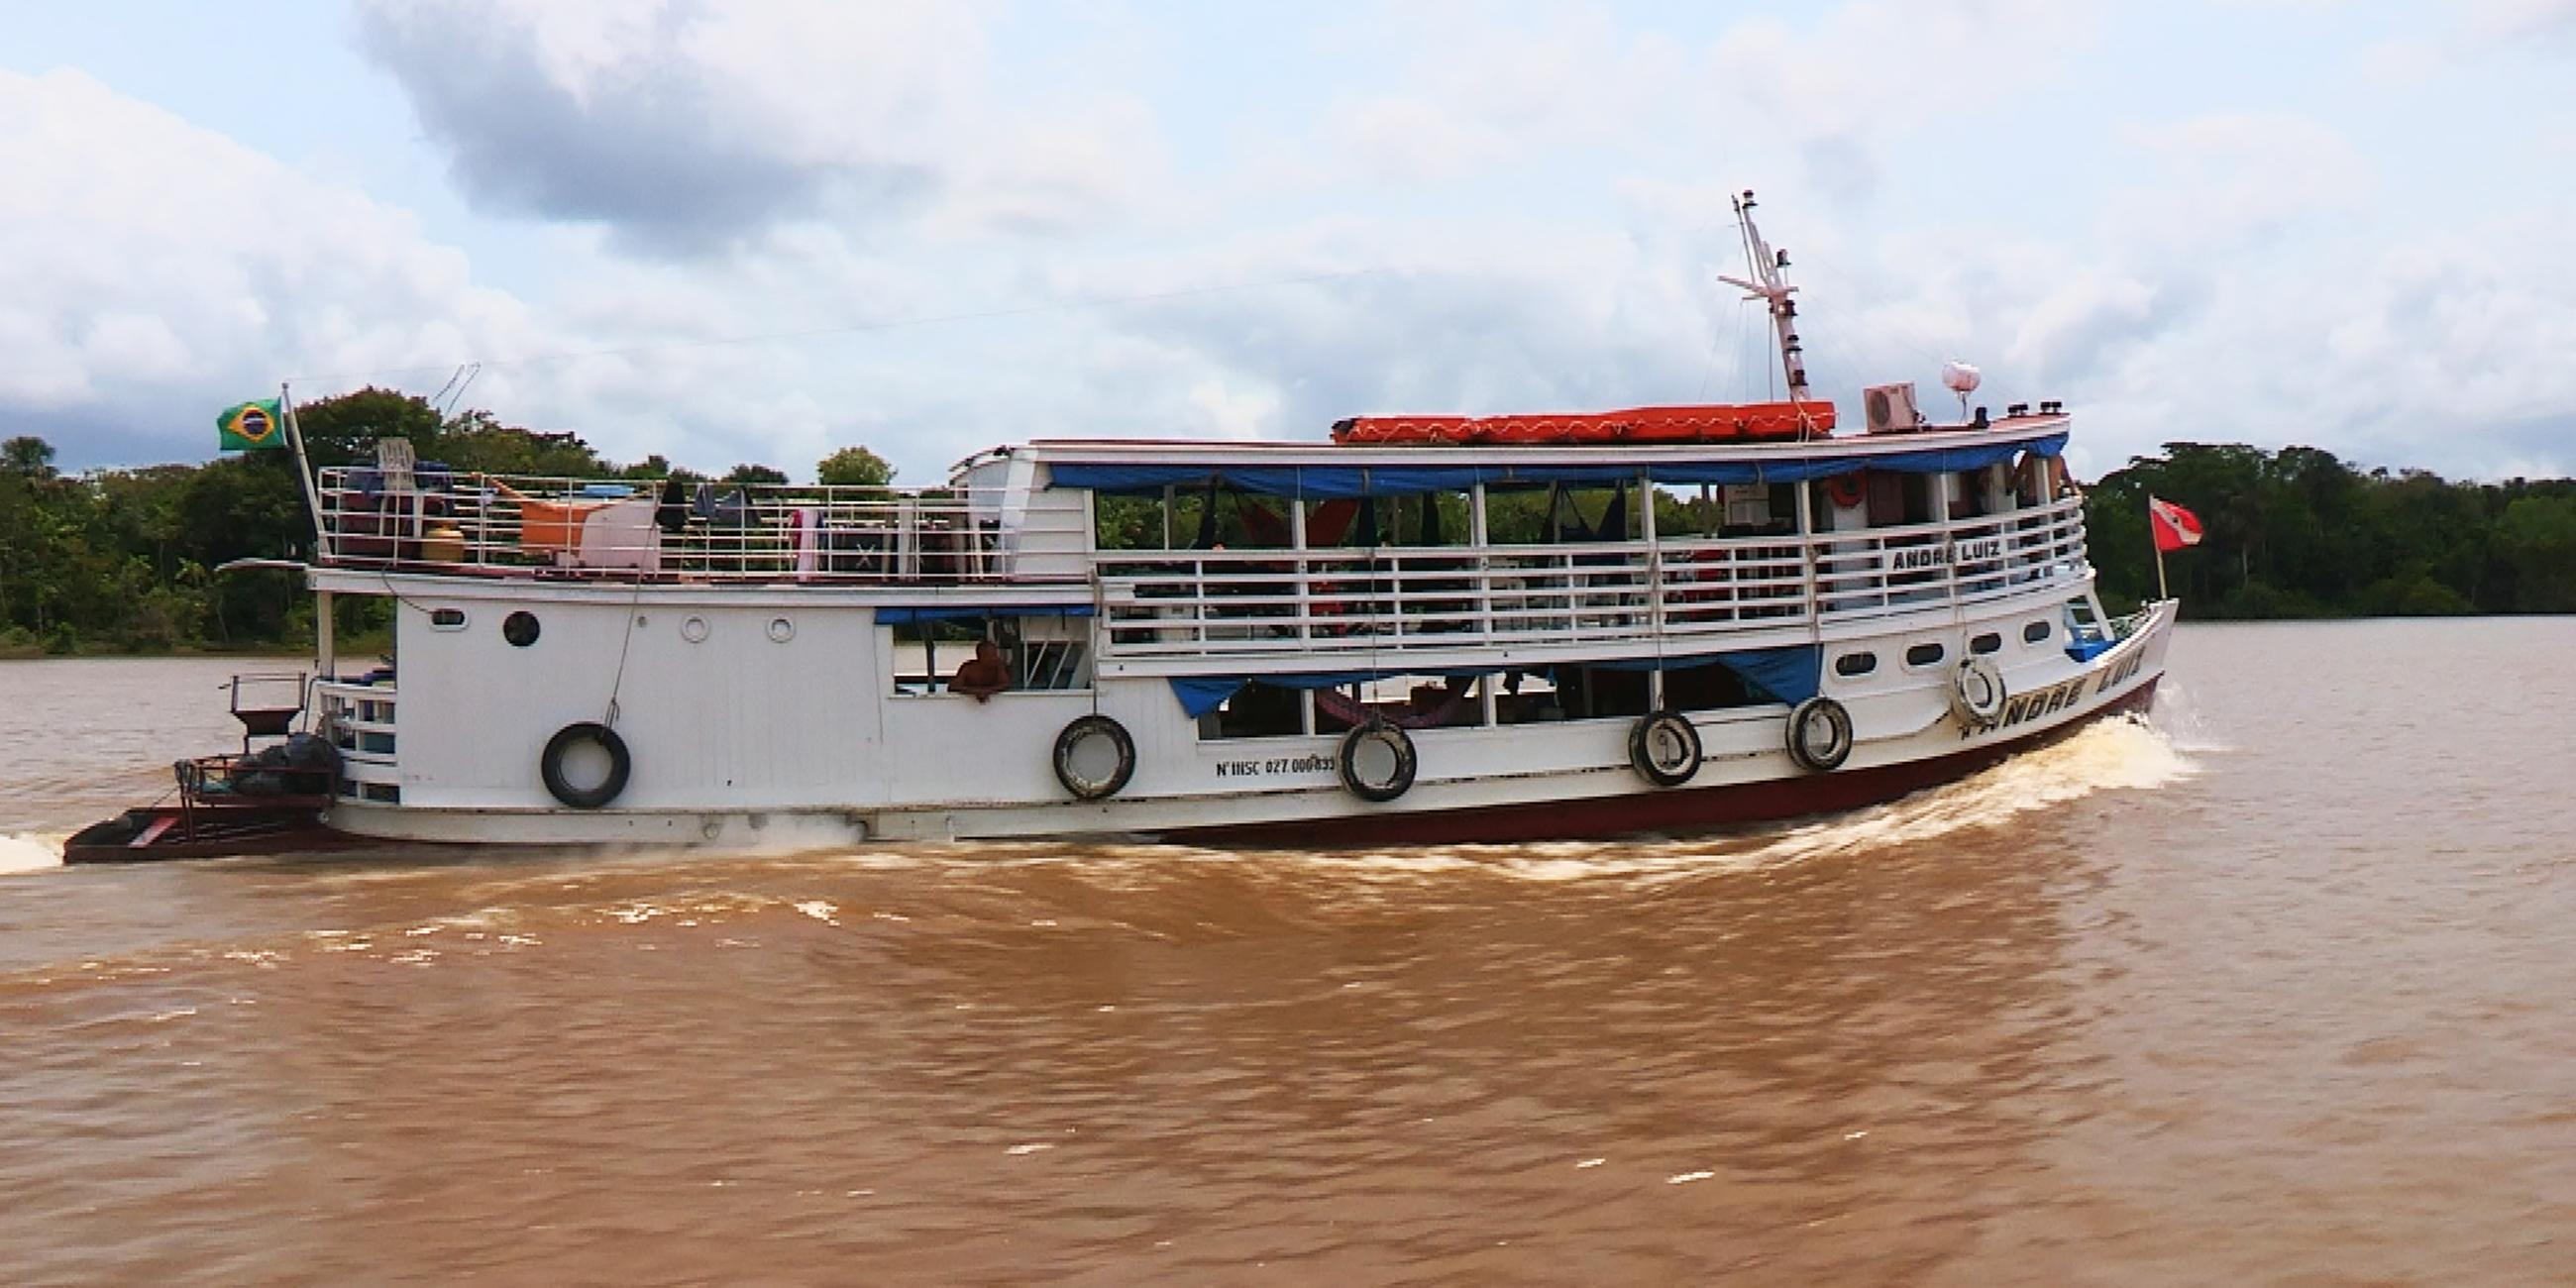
(755, 230)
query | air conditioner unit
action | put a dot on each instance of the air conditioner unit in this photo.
(1890, 408)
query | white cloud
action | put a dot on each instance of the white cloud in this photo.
(157, 266)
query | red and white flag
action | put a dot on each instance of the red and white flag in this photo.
(2175, 527)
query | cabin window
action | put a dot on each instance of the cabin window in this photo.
(1407, 701)
(2035, 633)
(1854, 665)
(1712, 687)
(1989, 642)
(1039, 653)
(447, 619)
(520, 628)
(1257, 711)
(1925, 654)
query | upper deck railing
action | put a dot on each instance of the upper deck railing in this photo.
(1237, 603)
(493, 525)
(1181, 604)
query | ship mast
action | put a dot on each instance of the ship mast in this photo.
(1766, 284)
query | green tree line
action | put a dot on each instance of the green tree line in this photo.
(124, 560)
(2300, 533)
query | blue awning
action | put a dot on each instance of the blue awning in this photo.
(1788, 674)
(912, 616)
(1328, 482)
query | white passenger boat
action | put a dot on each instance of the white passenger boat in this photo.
(1421, 629)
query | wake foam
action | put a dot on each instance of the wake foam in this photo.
(31, 852)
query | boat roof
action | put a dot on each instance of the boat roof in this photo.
(1325, 469)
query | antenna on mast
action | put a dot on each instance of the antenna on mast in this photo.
(1767, 284)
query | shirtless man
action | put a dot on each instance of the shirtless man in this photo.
(982, 675)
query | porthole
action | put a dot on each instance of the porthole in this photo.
(520, 628)
(2034, 633)
(1926, 654)
(447, 619)
(1986, 643)
(694, 630)
(1850, 665)
(781, 630)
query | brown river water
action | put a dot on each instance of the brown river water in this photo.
(2280, 989)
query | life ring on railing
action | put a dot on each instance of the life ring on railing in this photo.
(1377, 761)
(550, 766)
(1094, 757)
(1820, 734)
(1847, 490)
(1977, 693)
(1664, 746)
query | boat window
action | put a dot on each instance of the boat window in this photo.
(1986, 643)
(447, 619)
(1926, 654)
(1850, 665)
(1406, 701)
(520, 628)
(2035, 633)
(1710, 687)
(1040, 653)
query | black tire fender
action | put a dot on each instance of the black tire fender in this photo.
(1396, 781)
(1068, 744)
(550, 765)
(1672, 735)
(1820, 734)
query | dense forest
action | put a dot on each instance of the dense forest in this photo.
(123, 560)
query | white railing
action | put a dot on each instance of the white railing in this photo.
(358, 718)
(650, 529)
(1158, 603)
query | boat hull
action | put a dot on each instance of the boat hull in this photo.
(154, 833)
(1673, 811)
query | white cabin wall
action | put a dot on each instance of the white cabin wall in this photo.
(735, 720)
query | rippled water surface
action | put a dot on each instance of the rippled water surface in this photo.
(2280, 989)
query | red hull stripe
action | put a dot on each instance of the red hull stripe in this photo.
(1687, 809)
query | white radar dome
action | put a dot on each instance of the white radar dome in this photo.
(1960, 378)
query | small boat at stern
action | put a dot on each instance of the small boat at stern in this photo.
(1415, 629)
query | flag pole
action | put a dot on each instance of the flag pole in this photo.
(2160, 552)
(325, 647)
(303, 467)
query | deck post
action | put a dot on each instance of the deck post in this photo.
(1476, 536)
(1654, 585)
(1297, 542)
(325, 651)
(1812, 603)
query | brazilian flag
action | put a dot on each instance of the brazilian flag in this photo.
(252, 425)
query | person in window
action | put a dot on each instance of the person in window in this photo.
(983, 675)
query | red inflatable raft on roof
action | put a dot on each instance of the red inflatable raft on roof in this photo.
(1709, 424)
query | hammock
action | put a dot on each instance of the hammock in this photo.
(1351, 711)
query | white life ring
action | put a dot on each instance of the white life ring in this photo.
(1977, 693)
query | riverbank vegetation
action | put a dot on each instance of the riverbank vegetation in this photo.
(123, 560)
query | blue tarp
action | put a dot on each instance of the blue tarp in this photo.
(1783, 674)
(911, 616)
(2087, 650)
(1201, 694)
(1323, 482)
